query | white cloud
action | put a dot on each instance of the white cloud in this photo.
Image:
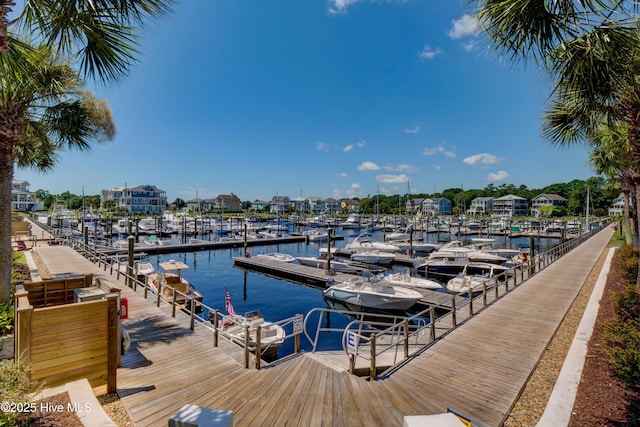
(440, 149)
(342, 174)
(392, 179)
(402, 168)
(361, 143)
(438, 167)
(355, 186)
(428, 52)
(465, 26)
(470, 46)
(322, 146)
(482, 158)
(414, 130)
(368, 166)
(498, 176)
(348, 148)
(339, 7)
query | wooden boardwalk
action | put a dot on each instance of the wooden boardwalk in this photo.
(477, 370)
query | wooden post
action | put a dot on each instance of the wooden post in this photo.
(484, 294)
(159, 291)
(406, 338)
(329, 239)
(432, 322)
(470, 302)
(192, 312)
(454, 320)
(173, 304)
(23, 331)
(246, 346)
(258, 349)
(296, 343)
(216, 322)
(372, 368)
(129, 261)
(113, 344)
(245, 240)
(352, 364)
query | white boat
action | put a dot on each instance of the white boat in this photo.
(364, 242)
(170, 279)
(373, 257)
(476, 283)
(147, 226)
(405, 279)
(362, 293)
(144, 268)
(277, 256)
(352, 222)
(316, 235)
(233, 327)
(399, 236)
(338, 266)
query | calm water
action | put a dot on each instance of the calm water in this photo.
(210, 271)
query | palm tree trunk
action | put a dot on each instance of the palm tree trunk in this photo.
(10, 131)
(5, 8)
(625, 219)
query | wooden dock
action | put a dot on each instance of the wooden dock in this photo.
(477, 370)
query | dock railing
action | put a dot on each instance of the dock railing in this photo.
(369, 341)
(372, 341)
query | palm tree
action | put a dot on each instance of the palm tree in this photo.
(590, 49)
(610, 155)
(43, 106)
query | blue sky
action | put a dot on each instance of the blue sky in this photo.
(339, 98)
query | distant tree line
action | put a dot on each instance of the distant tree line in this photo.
(602, 193)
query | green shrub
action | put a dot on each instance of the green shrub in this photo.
(16, 388)
(629, 262)
(623, 337)
(6, 318)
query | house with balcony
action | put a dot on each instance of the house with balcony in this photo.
(436, 206)
(279, 205)
(414, 206)
(546, 200)
(22, 199)
(509, 206)
(350, 206)
(146, 199)
(617, 206)
(480, 206)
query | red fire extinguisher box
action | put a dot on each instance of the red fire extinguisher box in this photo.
(124, 308)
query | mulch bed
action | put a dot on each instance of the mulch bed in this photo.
(601, 399)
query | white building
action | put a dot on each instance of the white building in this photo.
(22, 199)
(510, 205)
(617, 207)
(147, 199)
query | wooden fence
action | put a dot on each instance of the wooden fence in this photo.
(67, 341)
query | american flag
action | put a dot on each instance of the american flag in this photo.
(227, 304)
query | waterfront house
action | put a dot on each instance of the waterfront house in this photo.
(259, 205)
(279, 205)
(546, 200)
(617, 207)
(436, 206)
(510, 205)
(480, 206)
(22, 199)
(301, 205)
(142, 199)
(331, 205)
(414, 206)
(350, 206)
(227, 203)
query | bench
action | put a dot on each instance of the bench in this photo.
(22, 246)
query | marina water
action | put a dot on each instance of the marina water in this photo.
(210, 271)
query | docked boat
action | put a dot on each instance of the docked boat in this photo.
(277, 256)
(373, 257)
(405, 279)
(338, 266)
(144, 268)
(170, 280)
(475, 283)
(364, 242)
(362, 293)
(316, 235)
(234, 326)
